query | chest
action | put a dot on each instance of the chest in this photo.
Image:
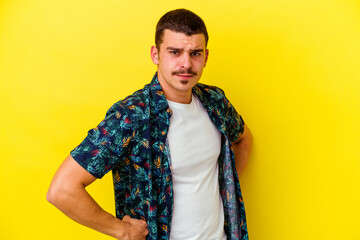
(193, 139)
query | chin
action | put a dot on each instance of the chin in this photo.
(187, 83)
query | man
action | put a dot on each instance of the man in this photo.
(172, 147)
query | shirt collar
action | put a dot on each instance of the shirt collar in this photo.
(202, 95)
(157, 94)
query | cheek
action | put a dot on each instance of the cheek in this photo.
(199, 64)
(168, 65)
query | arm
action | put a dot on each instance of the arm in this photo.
(67, 192)
(242, 147)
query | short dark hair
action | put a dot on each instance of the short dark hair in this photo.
(180, 20)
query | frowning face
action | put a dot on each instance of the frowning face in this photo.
(181, 60)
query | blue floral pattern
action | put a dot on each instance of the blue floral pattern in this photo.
(131, 141)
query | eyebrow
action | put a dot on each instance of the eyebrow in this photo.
(181, 49)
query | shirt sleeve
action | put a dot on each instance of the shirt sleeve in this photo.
(106, 145)
(234, 122)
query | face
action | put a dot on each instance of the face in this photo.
(181, 60)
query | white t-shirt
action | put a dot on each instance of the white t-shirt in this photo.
(195, 145)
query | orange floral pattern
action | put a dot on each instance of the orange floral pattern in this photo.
(131, 141)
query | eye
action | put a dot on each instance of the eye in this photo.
(196, 54)
(174, 52)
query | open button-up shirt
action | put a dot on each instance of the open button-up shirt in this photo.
(131, 141)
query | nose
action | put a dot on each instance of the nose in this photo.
(186, 61)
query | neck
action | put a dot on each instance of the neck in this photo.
(173, 94)
(179, 99)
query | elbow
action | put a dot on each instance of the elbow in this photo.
(250, 140)
(51, 196)
(247, 140)
(55, 196)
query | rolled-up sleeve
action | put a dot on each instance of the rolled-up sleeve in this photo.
(107, 144)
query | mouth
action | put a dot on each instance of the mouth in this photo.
(185, 76)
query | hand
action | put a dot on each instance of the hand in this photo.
(134, 229)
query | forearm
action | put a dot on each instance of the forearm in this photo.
(242, 149)
(77, 204)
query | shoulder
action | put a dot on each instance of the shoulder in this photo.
(134, 107)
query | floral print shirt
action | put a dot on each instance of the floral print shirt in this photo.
(131, 141)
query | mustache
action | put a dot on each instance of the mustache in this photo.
(182, 71)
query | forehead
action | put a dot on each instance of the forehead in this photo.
(181, 40)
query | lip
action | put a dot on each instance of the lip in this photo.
(185, 76)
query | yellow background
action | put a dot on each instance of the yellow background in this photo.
(291, 68)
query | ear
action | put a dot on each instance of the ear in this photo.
(206, 56)
(154, 55)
